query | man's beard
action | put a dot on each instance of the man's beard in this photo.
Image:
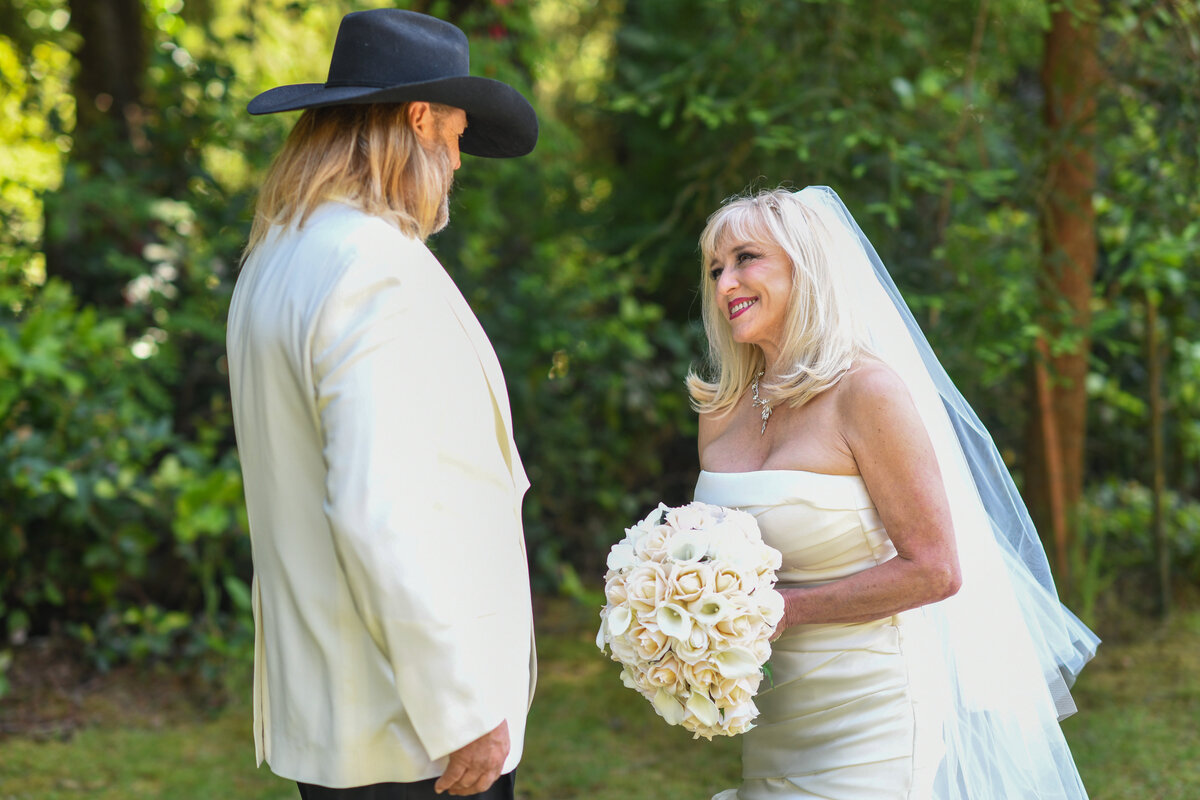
(441, 162)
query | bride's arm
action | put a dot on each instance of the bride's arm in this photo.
(881, 427)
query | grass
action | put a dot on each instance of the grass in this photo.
(1136, 735)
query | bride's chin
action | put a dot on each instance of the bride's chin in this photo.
(741, 336)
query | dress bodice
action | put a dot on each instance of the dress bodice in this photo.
(851, 711)
(825, 525)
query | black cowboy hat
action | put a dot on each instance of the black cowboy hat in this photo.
(392, 56)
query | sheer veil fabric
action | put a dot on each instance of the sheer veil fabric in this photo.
(1010, 649)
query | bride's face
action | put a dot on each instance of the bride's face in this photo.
(753, 285)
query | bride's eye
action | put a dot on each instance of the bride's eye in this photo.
(716, 272)
(746, 255)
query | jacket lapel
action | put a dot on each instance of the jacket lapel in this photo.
(491, 370)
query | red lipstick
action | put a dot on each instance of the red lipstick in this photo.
(742, 304)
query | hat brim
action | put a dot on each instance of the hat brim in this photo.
(500, 121)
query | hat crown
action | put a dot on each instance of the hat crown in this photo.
(392, 47)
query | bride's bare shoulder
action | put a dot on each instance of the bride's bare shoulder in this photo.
(870, 378)
(712, 424)
(872, 392)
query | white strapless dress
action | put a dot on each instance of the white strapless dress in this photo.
(853, 711)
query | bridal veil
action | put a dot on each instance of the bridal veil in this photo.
(1010, 649)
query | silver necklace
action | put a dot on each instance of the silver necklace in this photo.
(759, 402)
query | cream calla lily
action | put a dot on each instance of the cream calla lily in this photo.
(674, 620)
(770, 605)
(703, 708)
(621, 556)
(668, 707)
(736, 662)
(711, 609)
(618, 620)
(687, 548)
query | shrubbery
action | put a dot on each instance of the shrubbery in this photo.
(121, 517)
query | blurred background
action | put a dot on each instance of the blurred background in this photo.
(1027, 169)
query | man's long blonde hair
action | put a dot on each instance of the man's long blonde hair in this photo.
(822, 334)
(365, 155)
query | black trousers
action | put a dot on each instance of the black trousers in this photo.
(502, 789)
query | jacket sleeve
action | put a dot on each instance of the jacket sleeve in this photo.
(404, 517)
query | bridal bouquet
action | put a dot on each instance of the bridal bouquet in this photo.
(690, 611)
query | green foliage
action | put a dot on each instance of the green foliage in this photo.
(1149, 242)
(929, 127)
(594, 370)
(1118, 557)
(105, 504)
(124, 512)
(121, 495)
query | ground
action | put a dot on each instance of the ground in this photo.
(150, 733)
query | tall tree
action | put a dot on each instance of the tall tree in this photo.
(1070, 77)
(109, 125)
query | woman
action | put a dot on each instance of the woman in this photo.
(923, 652)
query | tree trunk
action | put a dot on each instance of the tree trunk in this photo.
(1158, 477)
(1070, 76)
(112, 63)
(108, 126)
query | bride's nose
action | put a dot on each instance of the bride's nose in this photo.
(726, 283)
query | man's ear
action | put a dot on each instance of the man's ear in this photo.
(420, 119)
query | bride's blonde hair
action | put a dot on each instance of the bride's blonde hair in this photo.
(822, 335)
(365, 155)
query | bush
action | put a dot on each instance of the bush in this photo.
(1118, 557)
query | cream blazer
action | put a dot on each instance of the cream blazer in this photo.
(392, 612)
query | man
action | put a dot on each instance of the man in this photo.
(393, 626)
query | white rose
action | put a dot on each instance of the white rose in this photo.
(687, 583)
(622, 648)
(730, 692)
(723, 534)
(614, 589)
(695, 648)
(773, 557)
(743, 556)
(667, 674)
(634, 677)
(740, 719)
(743, 624)
(646, 587)
(701, 674)
(644, 526)
(649, 643)
(729, 581)
(653, 546)
(745, 523)
(691, 517)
